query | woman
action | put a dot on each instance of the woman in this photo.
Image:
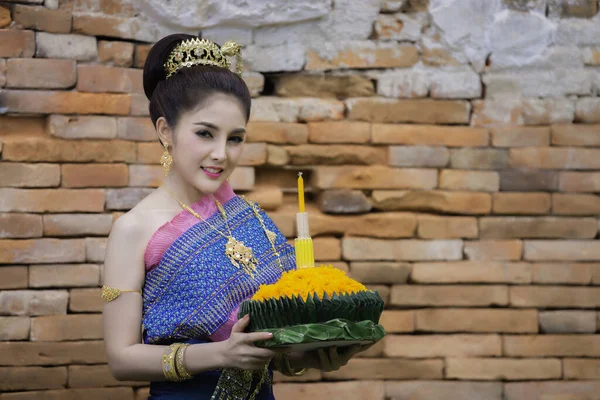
(179, 263)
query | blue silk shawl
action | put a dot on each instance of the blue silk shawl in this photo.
(195, 287)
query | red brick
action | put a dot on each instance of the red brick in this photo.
(32, 73)
(66, 327)
(430, 346)
(477, 321)
(555, 297)
(41, 251)
(54, 102)
(94, 175)
(149, 153)
(421, 111)
(277, 132)
(141, 53)
(69, 46)
(270, 198)
(137, 129)
(433, 201)
(358, 249)
(554, 158)
(582, 369)
(119, 54)
(568, 321)
(382, 290)
(551, 345)
(14, 328)
(33, 302)
(374, 177)
(43, 19)
(327, 248)
(354, 390)
(563, 273)
(398, 321)
(254, 154)
(64, 275)
(579, 181)
(14, 127)
(242, 178)
(277, 155)
(528, 180)
(101, 79)
(86, 300)
(19, 378)
(38, 149)
(16, 43)
(475, 158)
(540, 227)
(339, 132)
(13, 277)
(575, 135)
(2, 70)
(560, 390)
(449, 295)
(19, 225)
(124, 393)
(53, 353)
(51, 200)
(471, 272)
(82, 127)
(95, 248)
(484, 250)
(575, 204)
(146, 175)
(88, 376)
(502, 369)
(29, 175)
(521, 203)
(570, 250)
(77, 224)
(447, 390)
(380, 272)
(100, 24)
(521, 136)
(364, 55)
(5, 18)
(382, 225)
(125, 199)
(310, 154)
(442, 227)
(479, 181)
(139, 105)
(430, 135)
(364, 368)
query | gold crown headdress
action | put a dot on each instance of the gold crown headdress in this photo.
(203, 52)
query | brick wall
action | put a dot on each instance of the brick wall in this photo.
(453, 164)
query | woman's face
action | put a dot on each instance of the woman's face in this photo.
(209, 142)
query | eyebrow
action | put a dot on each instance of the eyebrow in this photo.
(213, 126)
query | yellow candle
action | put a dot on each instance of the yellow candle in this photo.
(300, 193)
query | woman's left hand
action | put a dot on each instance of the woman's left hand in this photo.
(333, 358)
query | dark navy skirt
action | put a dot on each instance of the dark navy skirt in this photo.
(201, 387)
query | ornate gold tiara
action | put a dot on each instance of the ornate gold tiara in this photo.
(203, 52)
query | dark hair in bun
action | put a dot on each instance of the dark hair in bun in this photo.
(189, 87)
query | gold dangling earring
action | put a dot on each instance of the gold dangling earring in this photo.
(166, 160)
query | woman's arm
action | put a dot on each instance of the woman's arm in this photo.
(128, 358)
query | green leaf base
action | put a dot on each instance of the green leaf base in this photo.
(324, 334)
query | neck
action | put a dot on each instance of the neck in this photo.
(183, 191)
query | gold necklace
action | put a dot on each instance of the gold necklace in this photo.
(271, 236)
(238, 254)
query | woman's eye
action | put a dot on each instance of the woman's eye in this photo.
(206, 134)
(237, 139)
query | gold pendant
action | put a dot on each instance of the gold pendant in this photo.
(271, 235)
(240, 256)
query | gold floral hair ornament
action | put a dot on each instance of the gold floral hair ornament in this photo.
(203, 52)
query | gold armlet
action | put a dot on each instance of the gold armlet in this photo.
(182, 372)
(109, 293)
(282, 364)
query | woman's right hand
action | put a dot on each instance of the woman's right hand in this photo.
(240, 351)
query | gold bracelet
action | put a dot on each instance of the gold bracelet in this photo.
(282, 364)
(182, 372)
(168, 362)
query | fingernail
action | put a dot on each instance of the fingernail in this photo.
(269, 334)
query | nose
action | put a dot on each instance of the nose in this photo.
(219, 152)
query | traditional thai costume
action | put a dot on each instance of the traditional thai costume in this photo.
(193, 290)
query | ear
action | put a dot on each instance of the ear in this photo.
(164, 131)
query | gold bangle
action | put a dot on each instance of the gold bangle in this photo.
(282, 364)
(182, 372)
(168, 362)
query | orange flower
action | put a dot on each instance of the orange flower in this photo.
(301, 282)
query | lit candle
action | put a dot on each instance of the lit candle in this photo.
(300, 193)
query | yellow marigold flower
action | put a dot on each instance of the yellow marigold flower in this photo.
(301, 282)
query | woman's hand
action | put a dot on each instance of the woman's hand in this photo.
(333, 358)
(240, 351)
